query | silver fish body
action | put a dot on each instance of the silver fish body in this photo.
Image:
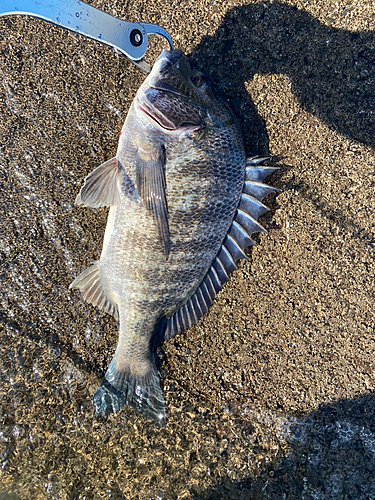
(183, 204)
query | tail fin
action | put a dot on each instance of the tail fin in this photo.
(142, 393)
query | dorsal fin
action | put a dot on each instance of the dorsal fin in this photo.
(232, 249)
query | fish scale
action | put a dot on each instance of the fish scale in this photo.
(184, 203)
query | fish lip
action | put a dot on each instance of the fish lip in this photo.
(168, 58)
(155, 120)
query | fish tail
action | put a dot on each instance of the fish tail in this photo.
(141, 393)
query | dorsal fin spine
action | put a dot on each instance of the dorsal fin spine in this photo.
(192, 316)
(197, 306)
(220, 271)
(258, 190)
(229, 256)
(252, 206)
(211, 292)
(215, 281)
(185, 316)
(234, 248)
(172, 325)
(206, 294)
(239, 233)
(203, 301)
(248, 222)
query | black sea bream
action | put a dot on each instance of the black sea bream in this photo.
(184, 202)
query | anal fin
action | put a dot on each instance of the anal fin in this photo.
(90, 284)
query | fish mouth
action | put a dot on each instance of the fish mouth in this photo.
(172, 56)
(156, 117)
(160, 120)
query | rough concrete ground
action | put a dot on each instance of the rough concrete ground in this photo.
(271, 394)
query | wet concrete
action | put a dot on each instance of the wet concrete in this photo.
(271, 394)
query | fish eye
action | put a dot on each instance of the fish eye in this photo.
(197, 80)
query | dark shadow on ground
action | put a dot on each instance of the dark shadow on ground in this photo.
(331, 82)
(332, 456)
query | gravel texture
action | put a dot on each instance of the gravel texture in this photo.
(270, 395)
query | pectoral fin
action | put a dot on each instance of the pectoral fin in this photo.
(151, 185)
(102, 188)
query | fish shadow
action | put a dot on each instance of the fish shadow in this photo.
(332, 71)
(330, 456)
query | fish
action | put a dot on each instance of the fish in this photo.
(184, 201)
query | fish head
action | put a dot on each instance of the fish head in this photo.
(176, 98)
